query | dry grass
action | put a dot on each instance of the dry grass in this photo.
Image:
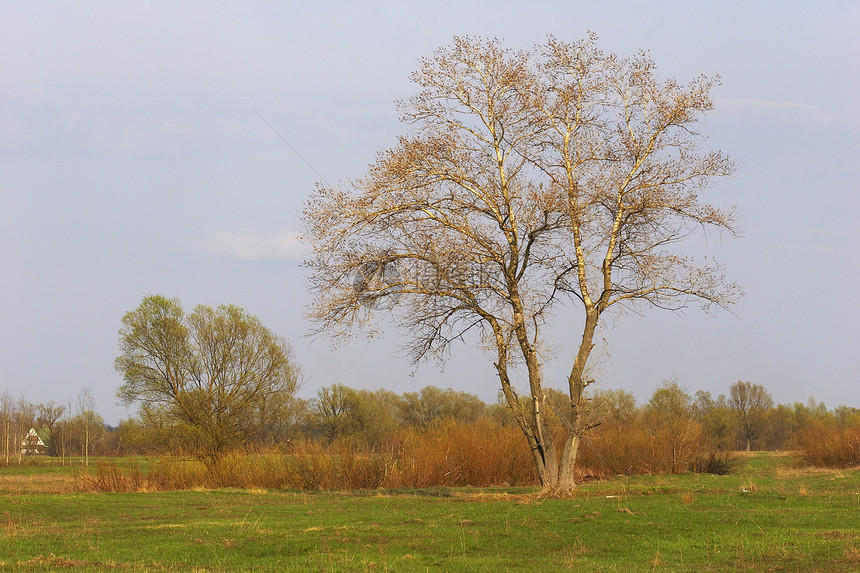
(37, 483)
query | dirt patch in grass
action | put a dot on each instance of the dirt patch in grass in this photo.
(839, 535)
(52, 563)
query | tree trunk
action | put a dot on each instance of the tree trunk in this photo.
(560, 480)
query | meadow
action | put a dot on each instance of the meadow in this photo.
(768, 515)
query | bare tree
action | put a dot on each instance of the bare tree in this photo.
(88, 424)
(531, 180)
(750, 402)
(24, 418)
(7, 418)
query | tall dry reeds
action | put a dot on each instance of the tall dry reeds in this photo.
(166, 474)
(455, 453)
(829, 446)
(447, 453)
(637, 445)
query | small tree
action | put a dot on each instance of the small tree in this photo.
(209, 372)
(671, 415)
(531, 180)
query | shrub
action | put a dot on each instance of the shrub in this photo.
(717, 462)
(311, 466)
(639, 445)
(455, 453)
(829, 446)
(109, 477)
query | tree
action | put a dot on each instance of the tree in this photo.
(618, 403)
(716, 418)
(7, 413)
(62, 434)
(333, 410)
(277, 418)
(670, 402)
(341, 411)
(88, 425)
(375, 418)
(670, 413)
(25, 414)
(420, 409)
(48, 414)
(750, 403)
(536, 184)
(208, 372)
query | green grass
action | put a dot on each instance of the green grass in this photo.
(768, 516)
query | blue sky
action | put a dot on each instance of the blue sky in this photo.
(133, 161)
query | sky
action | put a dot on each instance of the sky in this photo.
(141, 152)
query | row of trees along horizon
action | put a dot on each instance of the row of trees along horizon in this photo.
(671, 432)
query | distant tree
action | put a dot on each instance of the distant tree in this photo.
(209, 372)
(133, 437)
(716, 418)
(621, 404)
(48, 414)
(847, 417)
(24, 419)
(157, 430)
(780, 428)
(63, 434)
(376, 416)
(817, 410)
(671, 414)
(671, 402)
(277, 418)
(530, 180)
(420, 409)
(88, 424)
(333, 411)
(7, 416)
(750, 403)
(703, 403)
(108, 443)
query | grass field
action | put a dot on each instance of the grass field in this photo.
(767, 516)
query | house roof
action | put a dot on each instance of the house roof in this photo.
(33, 434)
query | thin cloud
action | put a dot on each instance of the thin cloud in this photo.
(253, 246)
